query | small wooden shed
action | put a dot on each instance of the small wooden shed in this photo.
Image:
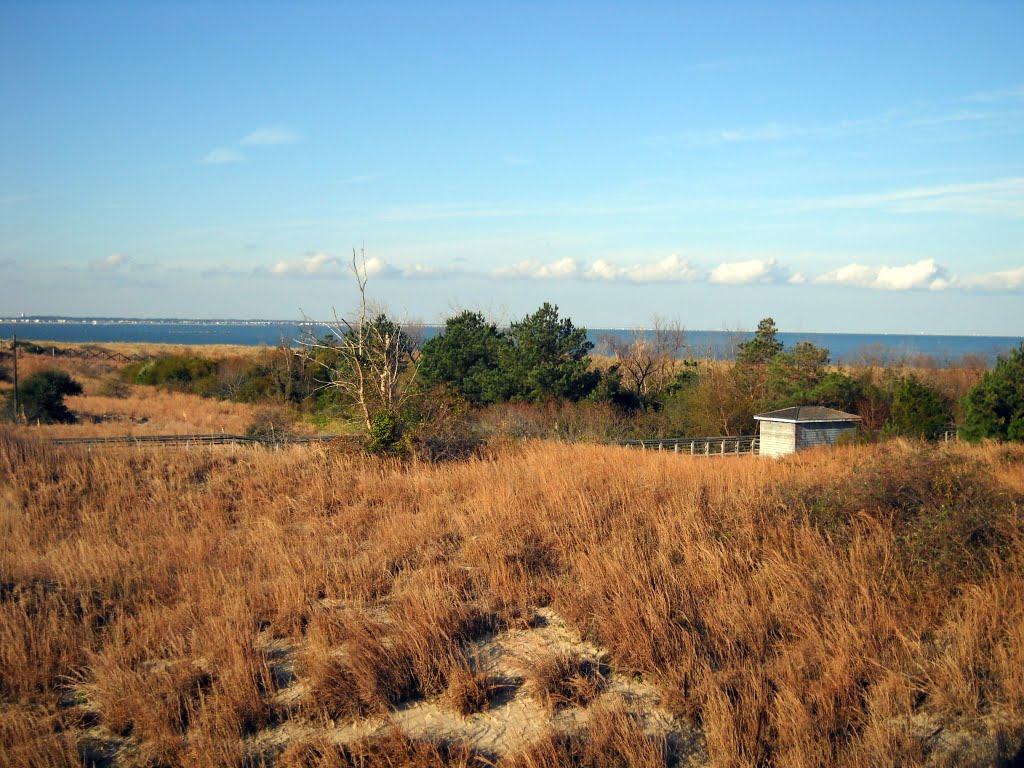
(803, 426)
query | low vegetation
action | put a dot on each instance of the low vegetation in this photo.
(309, 606)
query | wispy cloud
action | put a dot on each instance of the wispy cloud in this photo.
(921, 275)
(22, 198)
(960, 116)
(223, 156)
(1000, 113)
(773, 131)
(1003, 280)
(998, 197)
(749, 272)
(269, 136)
(1014, 93)
(510, 210)
(359, 179)
(671, 269)
(261, 137)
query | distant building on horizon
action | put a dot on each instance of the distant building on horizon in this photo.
(789, 430)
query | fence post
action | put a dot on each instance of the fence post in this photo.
(676, 448)
(17, 404)
(723, 447)
(707, 447)
(692, 443)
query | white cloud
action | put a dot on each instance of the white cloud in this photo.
(109, 264)
(1001, 197)
(268, 137)
(324, 264)
(1003, 280)
(921, 275)
(561, 269)
(223, 156)
(671, 269)
(746, 272)
(315, 264)
(423, 270)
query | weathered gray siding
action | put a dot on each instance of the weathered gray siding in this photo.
(810, 434)
(777, 438)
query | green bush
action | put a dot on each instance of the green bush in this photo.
(918, 410)
(465, 358)
(179, 372)
(994, 407)
(385, 433)
(41, 398)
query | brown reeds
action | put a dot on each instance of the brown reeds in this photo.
(844, 607)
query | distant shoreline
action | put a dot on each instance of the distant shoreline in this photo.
(35, 320)
(703, 344)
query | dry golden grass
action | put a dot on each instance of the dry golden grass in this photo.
(111, 408)
(211, 351)
(857, 607)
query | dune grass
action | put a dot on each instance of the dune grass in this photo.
(854, 607)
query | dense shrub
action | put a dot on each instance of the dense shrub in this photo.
(385, 433)
(270, 423)
(41, 398)
(443, 426)
(178, 372)
(994, 407)
(918, 410)
(465, 358)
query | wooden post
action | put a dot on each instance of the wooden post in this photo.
(692, 443)
(707, 447)
(723, 447)
(17, 402)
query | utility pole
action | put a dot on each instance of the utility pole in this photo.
(17, 404)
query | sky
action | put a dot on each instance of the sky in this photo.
(844, 167)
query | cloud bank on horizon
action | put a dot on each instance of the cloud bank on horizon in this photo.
(923, 275)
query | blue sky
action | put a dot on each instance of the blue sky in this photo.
(840, 166)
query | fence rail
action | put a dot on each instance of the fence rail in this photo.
(196, 440)
(699, 446)
(84, 353)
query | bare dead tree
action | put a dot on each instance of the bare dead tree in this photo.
(370, 359)
(648, 361)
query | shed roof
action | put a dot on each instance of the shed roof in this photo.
(800, 413)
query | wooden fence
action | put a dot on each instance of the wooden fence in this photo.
(699, 446)
(85, 353)
(188, 441)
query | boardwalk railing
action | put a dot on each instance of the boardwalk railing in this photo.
(188, 441)
(699, 446)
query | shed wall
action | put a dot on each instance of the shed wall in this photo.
(810, 434)
(778, 438)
